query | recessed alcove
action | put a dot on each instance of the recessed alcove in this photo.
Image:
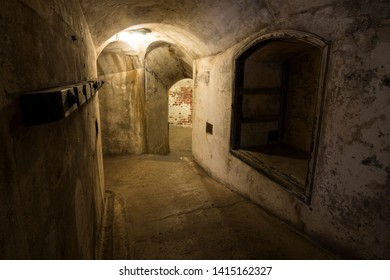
(276, 109)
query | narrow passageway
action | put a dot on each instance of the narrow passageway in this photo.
(171, 209)
(180, 140)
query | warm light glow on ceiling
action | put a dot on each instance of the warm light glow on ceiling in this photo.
(155, 32)
(137, 39)
(126, 37)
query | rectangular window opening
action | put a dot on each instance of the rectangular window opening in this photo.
(209, 128)
(276, 101)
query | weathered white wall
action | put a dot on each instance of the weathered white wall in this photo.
(350, 206)
(51, 177)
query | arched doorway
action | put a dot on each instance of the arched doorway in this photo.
(165, 64)
(180, 116)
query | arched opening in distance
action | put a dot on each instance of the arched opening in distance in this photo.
(165, 64)
(180, 115)
(138, 70)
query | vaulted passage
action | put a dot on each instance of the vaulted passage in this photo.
(135, 109)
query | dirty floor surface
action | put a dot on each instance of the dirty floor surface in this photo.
(166, 207)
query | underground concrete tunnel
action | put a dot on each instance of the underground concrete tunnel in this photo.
(286, 148)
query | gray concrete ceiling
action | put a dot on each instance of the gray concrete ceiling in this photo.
(169, 63)
(201, 27)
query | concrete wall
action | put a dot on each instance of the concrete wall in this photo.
(51, 177)
(350, 206)
(180, 103)
(122, 102)
(156, 111)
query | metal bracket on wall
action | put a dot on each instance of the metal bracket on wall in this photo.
(209, 128)
(44, 106)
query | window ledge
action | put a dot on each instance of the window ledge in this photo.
(287, 181)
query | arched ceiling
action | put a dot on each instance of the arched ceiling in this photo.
(201, 27)
(168, 62)
(159, 32)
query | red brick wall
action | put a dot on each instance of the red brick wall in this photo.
(180, 103)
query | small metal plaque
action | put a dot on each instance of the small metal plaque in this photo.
(209, 128)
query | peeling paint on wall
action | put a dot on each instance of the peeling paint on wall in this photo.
(350, 206)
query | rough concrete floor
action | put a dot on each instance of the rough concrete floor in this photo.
(180, 140)
(166, 207)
